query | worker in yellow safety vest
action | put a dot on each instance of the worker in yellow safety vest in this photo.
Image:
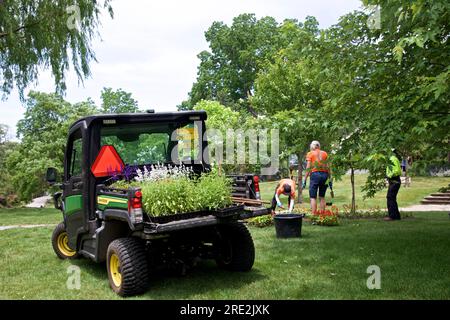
(393, 173)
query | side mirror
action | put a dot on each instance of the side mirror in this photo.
(51, 175)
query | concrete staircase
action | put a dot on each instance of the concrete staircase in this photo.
(437, 198)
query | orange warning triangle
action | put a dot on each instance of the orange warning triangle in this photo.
(107, 163)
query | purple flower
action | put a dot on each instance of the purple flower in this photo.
(114, 174)
(129, 172)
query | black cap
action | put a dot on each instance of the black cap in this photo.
(395, 151)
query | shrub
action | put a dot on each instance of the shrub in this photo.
(374, 213)
(2, 201)
(9, 200)
(261, 221)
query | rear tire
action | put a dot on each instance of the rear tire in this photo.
(127, 266)
(60, 243)
(236, 251)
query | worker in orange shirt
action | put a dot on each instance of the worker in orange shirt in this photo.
(286, 187)
(319, 170)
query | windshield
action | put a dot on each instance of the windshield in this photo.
(150, 143)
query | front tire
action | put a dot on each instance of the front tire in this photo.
(236, 251)
(127, 266)
(60, 243)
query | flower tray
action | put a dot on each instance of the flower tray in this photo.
(219, 213)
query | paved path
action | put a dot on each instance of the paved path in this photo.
(427, 208)
(38, 202)
(26, 226)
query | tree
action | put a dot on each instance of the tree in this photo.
(118, 101)
(346, 68)
(46, 34)
(228, 71)
(6, 147)
(3, 133)
(369, 97)
(410, 83)
(220, 119)
(289, 93)
(43, 133)
(357, 89)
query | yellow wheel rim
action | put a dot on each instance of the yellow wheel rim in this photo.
(114, 269)
(63, 245)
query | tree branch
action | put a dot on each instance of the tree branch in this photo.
(5, 34)
(249, 105)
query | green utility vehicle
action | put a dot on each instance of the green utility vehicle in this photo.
(107, 224)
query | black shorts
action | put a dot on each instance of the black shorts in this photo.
(318, 182)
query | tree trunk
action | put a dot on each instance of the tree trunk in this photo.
(300, 178)
(352, 179)
(448, 155)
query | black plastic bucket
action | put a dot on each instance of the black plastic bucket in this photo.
(288, 225)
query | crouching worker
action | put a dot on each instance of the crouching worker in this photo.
(286, 187)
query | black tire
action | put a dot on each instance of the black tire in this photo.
(60, 243)
(236, 251)
(133, 266)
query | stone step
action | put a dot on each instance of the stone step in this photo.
(435, 201)
(441, 194)
(437, 198)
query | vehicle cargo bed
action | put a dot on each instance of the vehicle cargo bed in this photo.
(183, 221)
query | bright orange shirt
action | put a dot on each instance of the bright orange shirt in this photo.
(290, 182)
(317, 158)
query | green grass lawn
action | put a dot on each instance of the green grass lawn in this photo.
(21, 216)
(420, 187)
(326, 263)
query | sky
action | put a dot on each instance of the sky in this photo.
(150, 48)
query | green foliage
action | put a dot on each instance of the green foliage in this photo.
(7, 192)
(43, 133)
(411, 78)
(289, 92)
(171, 196)
(220, 120)
(36, 34)
(228, 71)
(117, 101)
(123, 184)
(3, 133)
(374, 213)
(213, 191)
(346, 87)
(261, 221)
(220, 117)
